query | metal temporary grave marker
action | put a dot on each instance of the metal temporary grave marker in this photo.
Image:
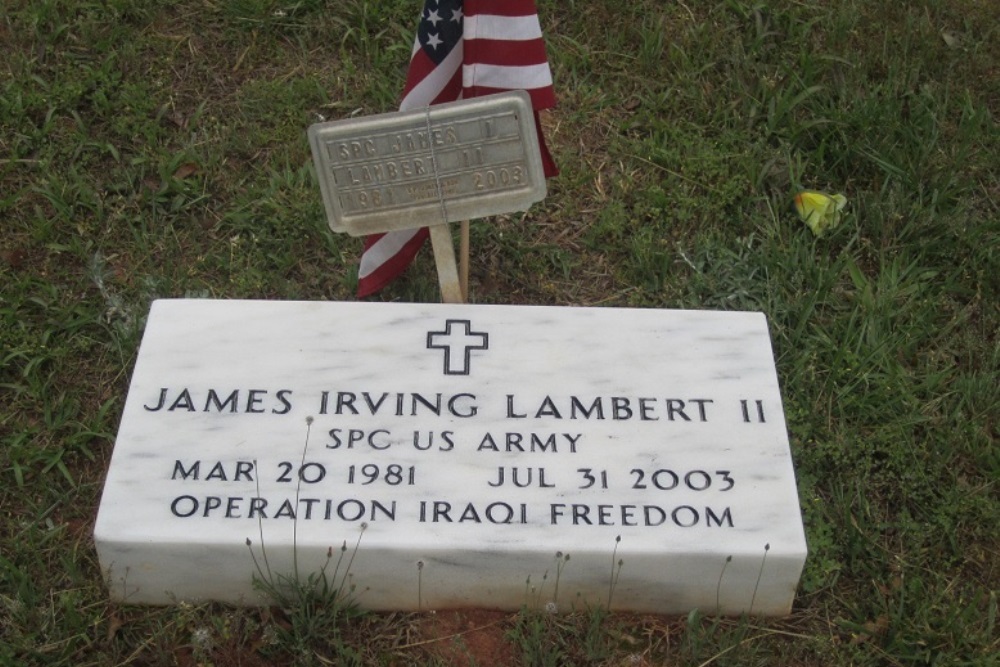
(440, 164)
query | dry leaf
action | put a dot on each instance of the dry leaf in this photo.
(185, 170)
(114, 625)
(14, 258)
(179, 121)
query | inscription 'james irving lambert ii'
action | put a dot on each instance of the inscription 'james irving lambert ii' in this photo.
(463, 405)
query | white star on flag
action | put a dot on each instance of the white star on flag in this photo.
(433, 41)
(433, 17)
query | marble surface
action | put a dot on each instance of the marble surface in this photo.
(455, 450)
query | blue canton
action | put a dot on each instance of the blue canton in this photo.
(440, 28)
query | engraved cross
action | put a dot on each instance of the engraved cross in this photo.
(457, 345)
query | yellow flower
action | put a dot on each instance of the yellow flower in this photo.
(818, 210)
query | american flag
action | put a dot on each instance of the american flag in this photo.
(463, 49)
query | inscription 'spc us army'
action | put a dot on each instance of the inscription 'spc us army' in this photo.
(449, 162)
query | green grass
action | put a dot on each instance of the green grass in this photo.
(155, 149)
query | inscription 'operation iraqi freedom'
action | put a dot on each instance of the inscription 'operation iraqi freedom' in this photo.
(440, 164)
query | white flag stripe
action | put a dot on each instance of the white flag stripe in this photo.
(524, 77)
(488, 26)
(383, 250)
(431, 85)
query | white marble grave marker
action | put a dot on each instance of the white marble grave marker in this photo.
(460, 448)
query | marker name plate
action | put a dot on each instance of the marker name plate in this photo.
(439, 164)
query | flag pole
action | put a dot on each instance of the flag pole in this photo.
(463, 275)
(444, 258)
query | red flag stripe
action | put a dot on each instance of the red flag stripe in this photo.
(426, 82)
(386, 263)
(500, 8)
(451, 91)
(548, 164)
(541, 98)
(504, 52)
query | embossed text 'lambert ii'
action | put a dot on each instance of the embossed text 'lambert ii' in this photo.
(618, 408)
